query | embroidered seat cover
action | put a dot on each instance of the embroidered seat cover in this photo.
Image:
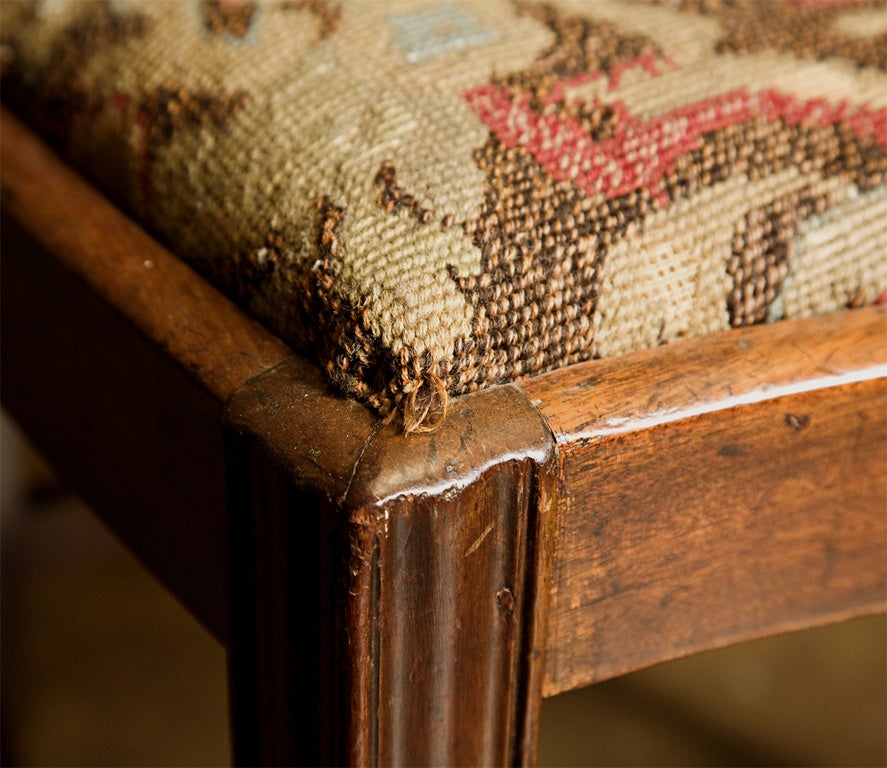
(429, 198)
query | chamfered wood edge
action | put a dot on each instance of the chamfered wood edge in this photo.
(493, 455)
(783, 535)
(157, 329)
(603, 411)
(587, 401)
(460, 520)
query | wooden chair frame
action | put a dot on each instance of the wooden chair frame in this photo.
(391, 599)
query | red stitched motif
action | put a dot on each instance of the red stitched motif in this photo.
(640, 153)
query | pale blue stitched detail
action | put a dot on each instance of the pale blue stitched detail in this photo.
(437, 30)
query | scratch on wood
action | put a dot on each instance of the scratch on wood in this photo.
(797, 422)
(479, 540)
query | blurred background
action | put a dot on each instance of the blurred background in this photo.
(100, 666)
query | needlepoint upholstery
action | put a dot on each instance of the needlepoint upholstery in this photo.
(433, 197)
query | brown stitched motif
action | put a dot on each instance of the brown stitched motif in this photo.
(331, 215)
(542, 241)
(261, 263)
(759, 147)
(581, 45)
(804, 29)
(233, 17)
(393, 197)
(337, 331)
(763, 243)
(542, 244)
(172, 108)
(761, 252)
(329, 13)
(98, 26)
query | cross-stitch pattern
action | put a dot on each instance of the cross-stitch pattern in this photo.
(432, 197)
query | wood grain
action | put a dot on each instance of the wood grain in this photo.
(457, 570)
(116, 360)
(713, 373)
(390, 595)
(435, 568)
(219, 346)
(292, 447)
(715, 491)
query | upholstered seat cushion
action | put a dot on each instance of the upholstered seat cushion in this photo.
(433, 197)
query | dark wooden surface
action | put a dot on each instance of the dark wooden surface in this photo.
(292, 449)
(298, 527)
(438, 577)
(116, 360)
(717, 491)
(388, 596)
(206, 334)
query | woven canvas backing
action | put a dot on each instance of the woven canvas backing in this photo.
(434, 197)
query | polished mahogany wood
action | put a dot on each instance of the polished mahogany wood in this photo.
(717, 490)
(220, 346)
(296, 525)
(392, 599)
(441, 583)
(116, 360)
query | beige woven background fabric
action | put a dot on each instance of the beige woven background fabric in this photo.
(434, 197)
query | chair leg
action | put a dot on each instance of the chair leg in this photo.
(388, 629)
(282, 665)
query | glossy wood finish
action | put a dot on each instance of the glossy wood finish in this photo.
(437, 648)
(116, 360)
(218, 345)
(716, 491)
(405, 600)
(269, 504)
